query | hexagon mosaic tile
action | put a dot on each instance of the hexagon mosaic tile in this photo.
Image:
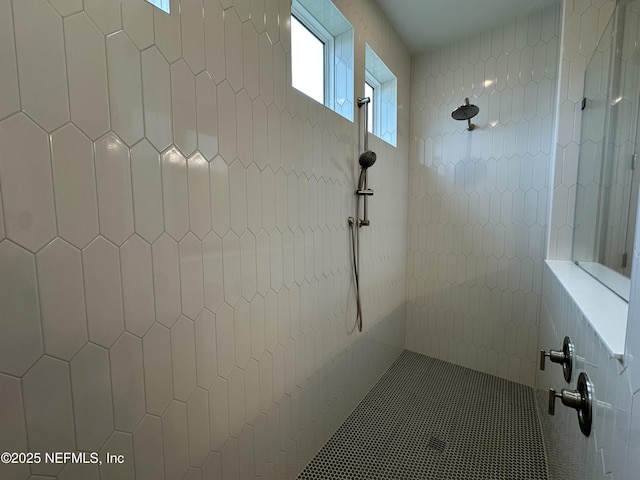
(176, 280)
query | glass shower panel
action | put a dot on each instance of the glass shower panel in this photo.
(607, 189)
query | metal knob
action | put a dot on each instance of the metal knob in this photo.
(581, 400)
(564, 357)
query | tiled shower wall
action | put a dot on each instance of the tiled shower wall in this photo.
(604, 454)
(478, 199)
(175, 279)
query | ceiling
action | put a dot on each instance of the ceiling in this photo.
(425, 24)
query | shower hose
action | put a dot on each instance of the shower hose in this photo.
(355, 249)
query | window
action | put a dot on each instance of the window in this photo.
(381, 86)
(368, 92)
(161, 4)
(322, 54)
(307, 54)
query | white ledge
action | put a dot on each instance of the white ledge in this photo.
(606, 312)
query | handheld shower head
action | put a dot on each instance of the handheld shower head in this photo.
(367, 159)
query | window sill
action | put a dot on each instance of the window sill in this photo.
(604, 310)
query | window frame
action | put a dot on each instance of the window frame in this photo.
(327, 51)
(338, 38)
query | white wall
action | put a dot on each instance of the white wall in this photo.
(175, 279)
(478, 200)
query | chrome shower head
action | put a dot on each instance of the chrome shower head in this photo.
(466, 112)
(367, 159)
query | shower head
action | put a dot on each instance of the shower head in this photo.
(367, 159)
(466, 112)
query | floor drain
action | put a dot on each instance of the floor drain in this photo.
(437, 444)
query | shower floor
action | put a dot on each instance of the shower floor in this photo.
(429, 419)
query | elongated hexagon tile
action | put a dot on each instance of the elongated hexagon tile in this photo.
(156, 98)
(266, 381)
(157, 369)
(246, 452)
(199, 195)
(242, 325)
(248, 265)
(166, 280)
(244, 109)
(231, 267)
(137, 21)
(183, 105)
(257, 327)
(251, 60)
(27, 187)
(280, 76)
(175, 193)
(40, 48)
(50, 424)
(238, 195)
(218, 413)
(113, 176)
(137, 285)
(260, 133)
(62, 300)
(21, 343)
(75, 187)
(263, 263)
(92, 405)
(103, 291)
(198, 423)
(278, 373)
(146, 178)
(213, 272)
(214, 40)
(252, 390)
(260, 444)
(272, 18)
(10, 100)
(265, 48)
(227, 122)
(206, 358)
(225, 341)
(183, 354)
(230, 465)
(148, 445)
(125, 87)
(13, 432)
(270, 320)
(254, 199)
(193, 47)
(127, 380)
(87, 70)
(167, 31)
(120, 444)
(207, 115)
(191, 275)
(236, 402)
(106, 15)
(220, 199)
(175, 440)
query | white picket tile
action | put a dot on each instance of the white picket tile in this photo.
(87, 70)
